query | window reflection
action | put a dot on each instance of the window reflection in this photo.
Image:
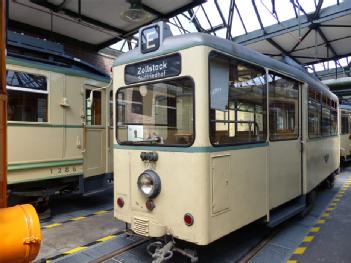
(237, 102)
(159, 113)
(283, 107)
(345, 122)
(27, 97)
(322, 114)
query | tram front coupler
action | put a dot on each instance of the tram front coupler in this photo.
(164, 251)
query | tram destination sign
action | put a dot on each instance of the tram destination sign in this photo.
(159, 68)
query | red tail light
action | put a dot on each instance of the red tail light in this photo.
(188, 219)
(120, 202)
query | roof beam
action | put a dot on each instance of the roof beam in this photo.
(317, 12)
(335, 26)
(181, 10)
(230, 20)
(36, 31)
(208, 20)
(56, 9)
(293, 4)
(241, 19)
(329, 46)
(151, 10)
(220, 13)
(300, 40)
(282, 50)
(195, 21)
(257, 15)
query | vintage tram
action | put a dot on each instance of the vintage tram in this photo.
(345, 132)
(210, 136)
(59, 125)
(340, 86)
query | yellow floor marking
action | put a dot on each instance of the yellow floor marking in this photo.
(74, 250)
(78, 218)
(52, 225)
(325, 215)
(105, 238)
(300, 250)
(330, 209)
(315, 229)
(321, 221)
(100, 212)
(291, 261)
(337, 199)
(308, 238)
(47, 261)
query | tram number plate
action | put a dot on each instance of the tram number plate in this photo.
(66, 170)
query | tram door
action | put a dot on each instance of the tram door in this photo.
(94, 132)
(285, 179)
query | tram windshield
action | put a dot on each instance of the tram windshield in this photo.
(158, 113)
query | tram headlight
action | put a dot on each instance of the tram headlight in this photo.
(149, 183)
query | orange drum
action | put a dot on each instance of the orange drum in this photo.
(20, 234)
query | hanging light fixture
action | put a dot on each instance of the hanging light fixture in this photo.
(135, 13)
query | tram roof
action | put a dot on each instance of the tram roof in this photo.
(177, 43)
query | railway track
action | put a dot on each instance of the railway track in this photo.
(120, 251)
(244, 245)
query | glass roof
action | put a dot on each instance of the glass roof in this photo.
(233, 18)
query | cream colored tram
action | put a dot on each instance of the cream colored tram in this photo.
(59, 125)
(211, 136)
(345, 132)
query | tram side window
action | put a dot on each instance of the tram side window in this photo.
(93, 108)
(283, 107)
(325, 121)
(333, 118)
(314, 113)
(329, 117)
(345, 123)
(110, 104)
(237, 101)
(27, 97)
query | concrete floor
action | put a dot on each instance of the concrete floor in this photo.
(231, 248)
(79, 230)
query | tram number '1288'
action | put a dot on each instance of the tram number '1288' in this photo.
(67, 170)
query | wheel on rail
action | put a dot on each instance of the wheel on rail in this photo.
(310, 200)
(329, 182)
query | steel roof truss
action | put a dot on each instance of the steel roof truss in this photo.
(230, 20)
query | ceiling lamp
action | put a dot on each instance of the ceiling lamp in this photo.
(135, 13)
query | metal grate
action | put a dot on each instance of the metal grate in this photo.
(141, 226)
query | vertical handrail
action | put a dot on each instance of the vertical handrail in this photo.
(3, 106)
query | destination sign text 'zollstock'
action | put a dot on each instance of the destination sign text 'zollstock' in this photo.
(159, 68)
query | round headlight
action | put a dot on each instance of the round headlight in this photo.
(149, 183)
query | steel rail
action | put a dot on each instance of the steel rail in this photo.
(120, 251)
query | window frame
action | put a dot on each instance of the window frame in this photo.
(47, 92)
(299, 85)
(265, 90)
(330, 108)
(110, 109)
(346, 114)
(95, 90)
(191, 79)
(320, 119)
